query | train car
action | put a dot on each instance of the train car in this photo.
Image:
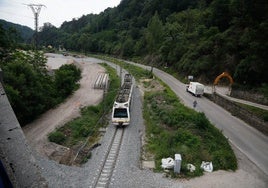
(121, 107)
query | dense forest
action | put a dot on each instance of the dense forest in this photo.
(193, 37)
(22, 34)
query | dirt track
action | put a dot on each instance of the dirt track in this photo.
(36, 132)
(247, 175)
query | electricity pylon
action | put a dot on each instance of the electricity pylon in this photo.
(36, 8)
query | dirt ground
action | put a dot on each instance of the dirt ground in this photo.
(247, 175)
(37, 132)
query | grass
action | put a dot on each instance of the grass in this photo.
(261, 113)
(170, 127)
(91, 119)
(173, 128)
(135, 71)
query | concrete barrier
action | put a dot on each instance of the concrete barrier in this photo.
(15, 153)
(240, 112)
(101, 81)
(1, 76)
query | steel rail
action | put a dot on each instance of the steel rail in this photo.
(104, 177)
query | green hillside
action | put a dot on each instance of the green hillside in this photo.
(22, 33)
(192, 37)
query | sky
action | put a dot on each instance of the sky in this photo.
(54, 11)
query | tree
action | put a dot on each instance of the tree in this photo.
(154, 34)
(84, 42)
(221, 15)
(65, 79)
(203, 37)
(31, 91)
(27, 85)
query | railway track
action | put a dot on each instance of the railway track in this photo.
(104, 177)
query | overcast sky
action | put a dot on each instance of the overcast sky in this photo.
(55, 12)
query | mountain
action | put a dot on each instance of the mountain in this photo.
(25, 33)
(202, 38)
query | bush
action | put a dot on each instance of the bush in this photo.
(88, 124)
(57, 137)
(172, 128)
(265, 118)
(29, 87)
(65, 79)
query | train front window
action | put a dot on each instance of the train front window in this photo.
(120, 113)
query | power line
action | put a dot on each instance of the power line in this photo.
(36, 8)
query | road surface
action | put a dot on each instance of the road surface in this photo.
(250, 141)
(127, 172)
(224, 92)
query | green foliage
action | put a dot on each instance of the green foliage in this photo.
(200, 38)
(92, 117)
(65, 79)
(264, 90)
(261, 113)
(154, 34)
(9, 38)
(135, 71)
(172, 128)
(17, 32)
(82, 127)
(31, 91)
(27, 87)
(57, 137)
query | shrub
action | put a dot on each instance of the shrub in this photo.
(88, 124)
(65, 79)
(57, 137)
(177, 129)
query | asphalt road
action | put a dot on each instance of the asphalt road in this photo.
(251, 142)
(127, 172)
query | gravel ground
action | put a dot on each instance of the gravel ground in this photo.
(37, 131)
(128, 172)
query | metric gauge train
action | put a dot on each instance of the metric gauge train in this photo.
(121, 107)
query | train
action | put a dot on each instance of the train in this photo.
(121, 107)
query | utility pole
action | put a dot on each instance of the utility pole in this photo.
(36, 8)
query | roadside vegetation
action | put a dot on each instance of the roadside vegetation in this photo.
(31, 89)
(173, 128)
(135, 71)
(261, 113)
(86, 127)
(200, 38)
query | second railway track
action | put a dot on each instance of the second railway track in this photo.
(104, 177)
